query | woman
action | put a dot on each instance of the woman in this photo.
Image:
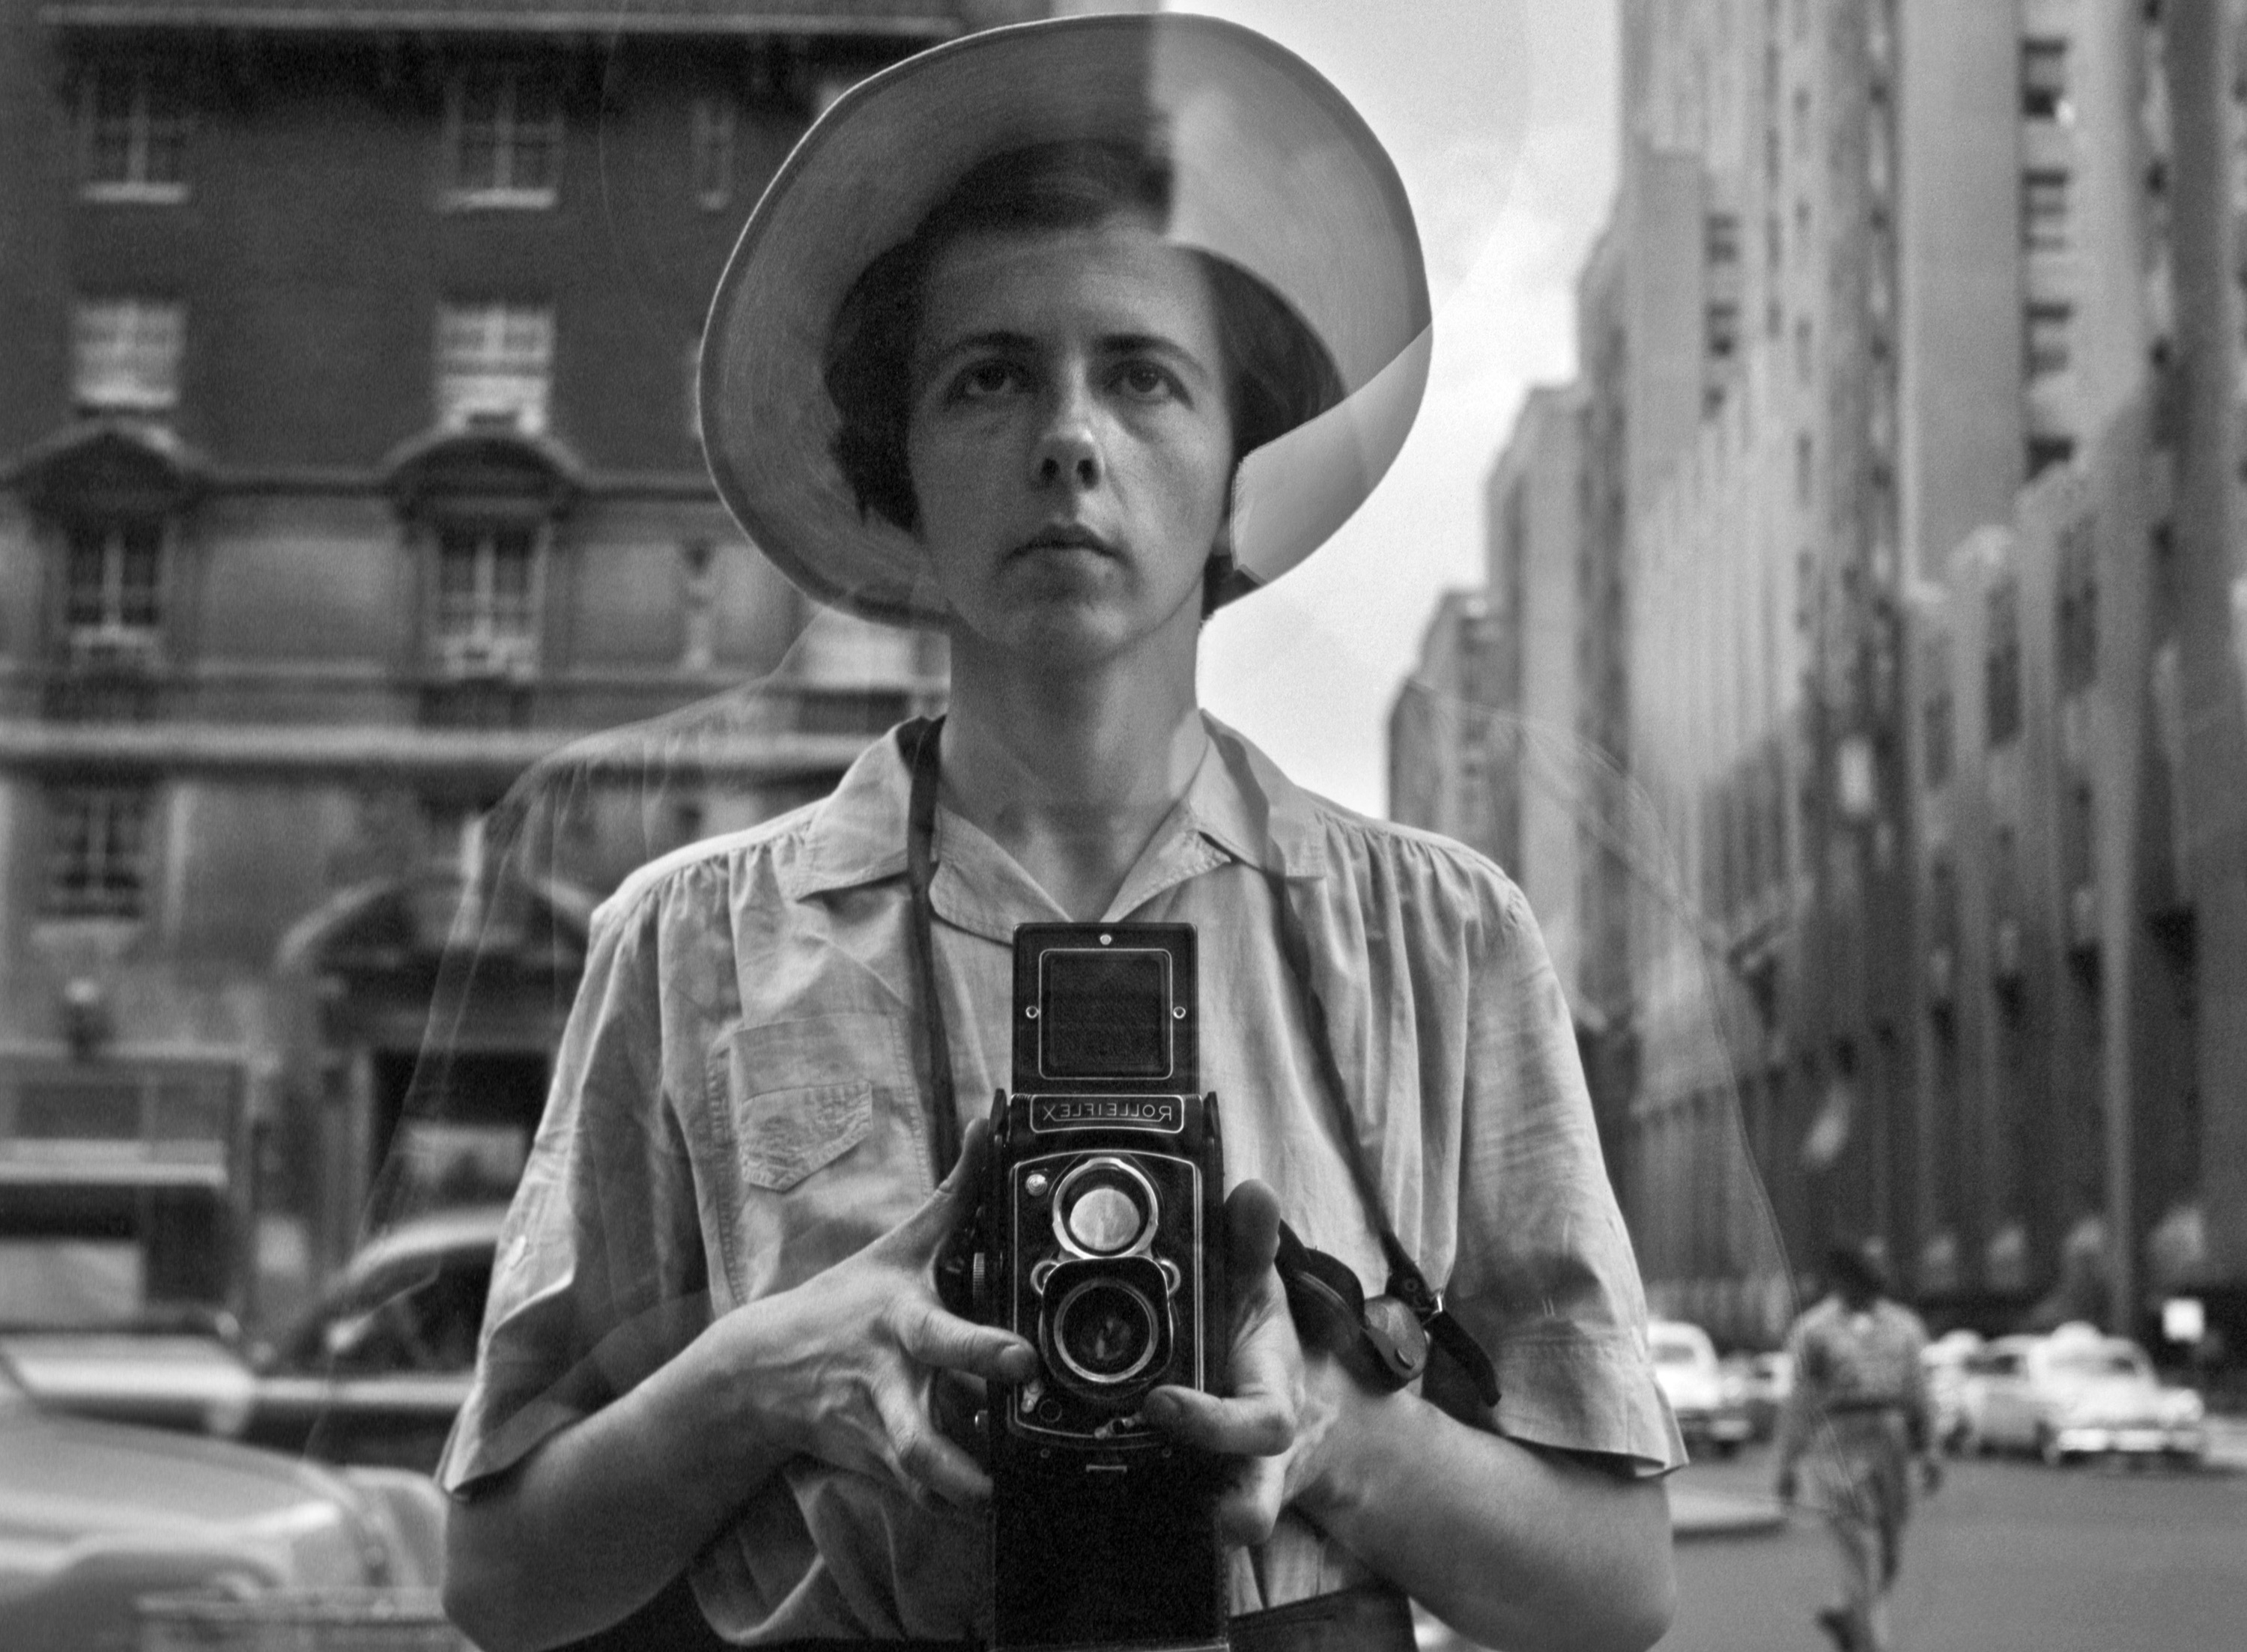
(1056, 337)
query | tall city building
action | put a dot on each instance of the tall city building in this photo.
(348, 468)
(1910, 362)
(1442, 738)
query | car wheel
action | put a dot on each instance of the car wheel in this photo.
(1728, 1448)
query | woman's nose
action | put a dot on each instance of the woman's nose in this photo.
(1068, 450)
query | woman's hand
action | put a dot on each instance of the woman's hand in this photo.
(843, 1367)
(1279, 1408)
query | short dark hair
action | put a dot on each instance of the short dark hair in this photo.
(1278, 373)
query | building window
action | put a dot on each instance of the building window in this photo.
(2078, 604)
(97, 864)
(2046, 338)
(1937, 714)
(1723, 230)
(2044, 79)
(2044, 210)
(1806, 469)
(486, 621)
(113, 581)
(1724, 328)
(2002, 664)
(506, 137)
(125, 355)
(712, 155)
(2044, 451)
(494, 365)
(133, 126)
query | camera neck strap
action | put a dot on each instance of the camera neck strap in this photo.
(1321, 1285)
(1386, 1339)
(920, 740)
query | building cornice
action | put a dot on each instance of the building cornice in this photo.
(369, 751)
(660, 486)
(567, 21)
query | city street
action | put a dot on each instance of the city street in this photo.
(2010, 1557)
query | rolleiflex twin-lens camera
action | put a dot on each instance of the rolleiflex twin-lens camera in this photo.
(1099, 1237)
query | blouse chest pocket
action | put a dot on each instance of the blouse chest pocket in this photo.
(800, 1093)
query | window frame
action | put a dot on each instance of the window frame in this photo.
(2047, 207)
(2048, 338)
(510, 135)
(145, 125)
(112, 623)
(149, 328)
(485, 633)
(105, 834)
(714, 150)
(455, 374)
(2043, 78)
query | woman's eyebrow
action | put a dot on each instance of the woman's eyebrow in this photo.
(996, 338)
(1134, 344)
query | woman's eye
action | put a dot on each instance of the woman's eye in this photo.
(1145, 379)
(985, 378)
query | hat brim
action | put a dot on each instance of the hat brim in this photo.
(1272, 169)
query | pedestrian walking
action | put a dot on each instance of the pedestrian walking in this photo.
(1858, 1417)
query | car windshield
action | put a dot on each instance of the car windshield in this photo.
(2095, 1361)
(1674, 1353)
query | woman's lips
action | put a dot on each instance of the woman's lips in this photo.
(1065, 538)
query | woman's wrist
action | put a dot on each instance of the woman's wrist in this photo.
(1327, 1470)
(720, 1421)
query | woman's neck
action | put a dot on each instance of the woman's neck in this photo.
(1071, 774)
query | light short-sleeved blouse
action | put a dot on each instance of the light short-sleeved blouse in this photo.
(737, 1105)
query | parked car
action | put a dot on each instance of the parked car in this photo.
(1710, 1415)
(94, 1516)
(372, 1372)
(1944, 1364)
(377, 1368)
(1759, 1385)
(2078, 1393)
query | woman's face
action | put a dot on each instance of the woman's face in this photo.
(1069, 438)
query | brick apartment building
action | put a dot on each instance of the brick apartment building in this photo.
(347, 469)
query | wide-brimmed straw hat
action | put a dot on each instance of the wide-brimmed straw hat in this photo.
(1272, 169)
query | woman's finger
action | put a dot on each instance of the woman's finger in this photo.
(1250, 1424)
(943, 1341)
(1252, 1225)
(934, 1471)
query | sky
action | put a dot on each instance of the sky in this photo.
(1500, 116)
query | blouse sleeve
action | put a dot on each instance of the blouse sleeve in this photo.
(598, 1278)
(1544, 1275)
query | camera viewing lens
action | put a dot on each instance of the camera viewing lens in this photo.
(1105, 1331)
(1106, 1220)
(1105, 1207)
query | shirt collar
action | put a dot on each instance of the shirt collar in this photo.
(1238, 799)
